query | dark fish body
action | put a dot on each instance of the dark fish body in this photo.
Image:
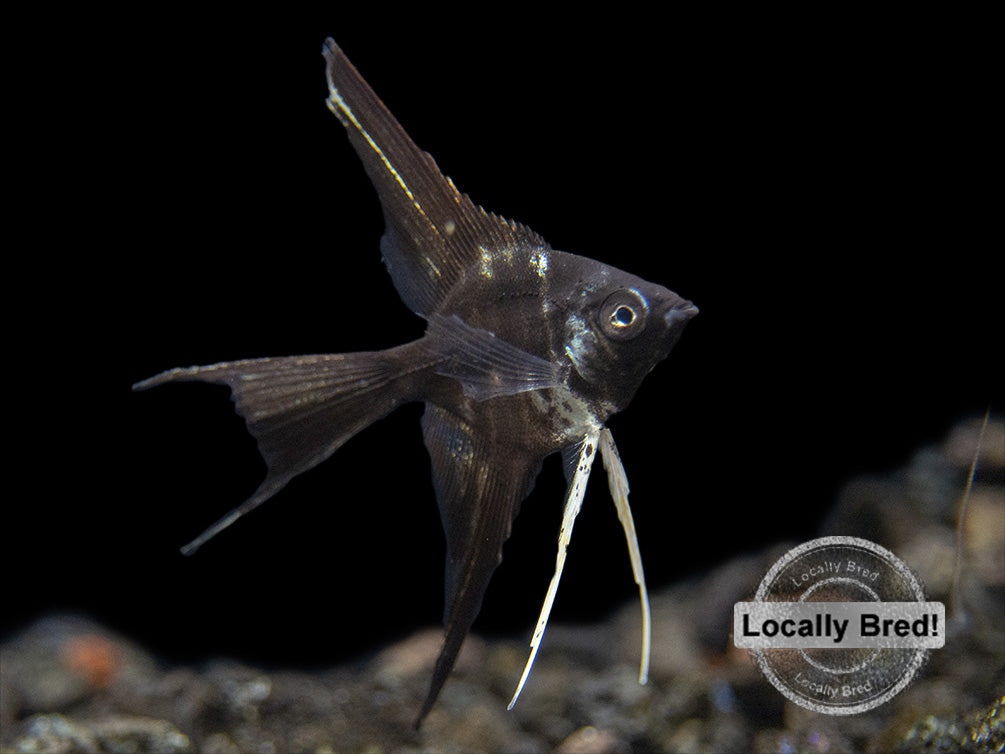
(527, 352)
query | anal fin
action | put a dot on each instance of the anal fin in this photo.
(479, 488)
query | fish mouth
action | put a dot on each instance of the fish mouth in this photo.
(680, 314)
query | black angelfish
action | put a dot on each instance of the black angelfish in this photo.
(527, 352)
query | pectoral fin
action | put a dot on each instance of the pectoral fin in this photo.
(486, 365)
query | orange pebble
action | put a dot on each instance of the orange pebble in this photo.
(92, 656)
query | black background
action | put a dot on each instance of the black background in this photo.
(816, 185)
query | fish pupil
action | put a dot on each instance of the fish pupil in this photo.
(623, 316)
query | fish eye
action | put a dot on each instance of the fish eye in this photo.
(623, 314)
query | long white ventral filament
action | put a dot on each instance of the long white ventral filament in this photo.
(573, 503)
(617, 481)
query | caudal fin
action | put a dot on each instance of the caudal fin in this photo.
(300, 409)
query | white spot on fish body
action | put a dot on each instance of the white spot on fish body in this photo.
(579, 343)
(432, 266)
(571, 417)
(485, 260)
(539, 263)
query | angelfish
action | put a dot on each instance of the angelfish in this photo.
(527, 352)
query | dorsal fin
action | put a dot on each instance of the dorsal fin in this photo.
(432, 230)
